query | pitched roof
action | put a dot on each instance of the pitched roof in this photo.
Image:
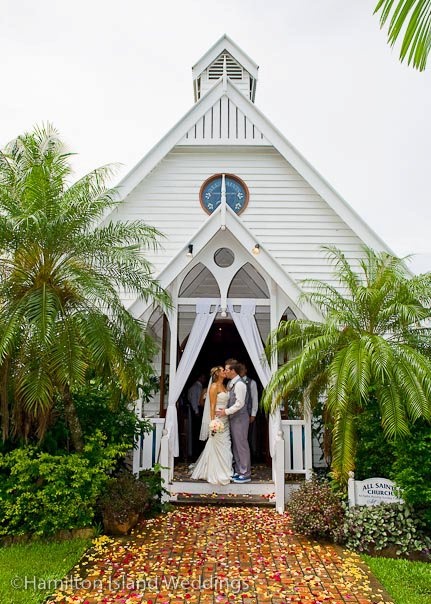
(224, 43)
(224, 87)
(233, 224)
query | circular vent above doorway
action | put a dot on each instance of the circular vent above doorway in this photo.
(224, 257)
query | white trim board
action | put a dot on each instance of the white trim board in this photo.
(275, 138)
(246, 240)
(225, 43)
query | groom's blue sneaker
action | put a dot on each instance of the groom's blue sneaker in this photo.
(235, 476)
(241, 479)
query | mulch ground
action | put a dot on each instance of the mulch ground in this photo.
(203, 554)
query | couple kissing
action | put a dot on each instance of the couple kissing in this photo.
(225, 423)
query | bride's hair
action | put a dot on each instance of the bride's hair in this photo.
(215, 372)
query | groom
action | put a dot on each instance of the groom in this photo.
(239, 422)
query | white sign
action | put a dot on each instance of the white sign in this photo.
(372, 491)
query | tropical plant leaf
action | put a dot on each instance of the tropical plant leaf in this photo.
(371, 342)
(61, 272)
(412, 20)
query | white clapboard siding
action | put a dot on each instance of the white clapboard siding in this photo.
(285, 214)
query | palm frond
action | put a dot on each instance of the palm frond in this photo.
(372, 341)
(314, 391)
(414, 393)
(291, 336)
(343, 444)
(61, 275)
(326, 297)
(341, 393)
(343, 269)
(11, 323)
(381, 358)
(394, 419)
(412, 20)
(34, 388)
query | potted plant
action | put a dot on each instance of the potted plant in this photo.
(121, 503)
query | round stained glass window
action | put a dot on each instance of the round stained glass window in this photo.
(236, 193)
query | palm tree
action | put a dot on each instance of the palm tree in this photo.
(61, 268)
(412, 20)
(372, 342)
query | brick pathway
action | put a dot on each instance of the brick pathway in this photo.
(220, 555)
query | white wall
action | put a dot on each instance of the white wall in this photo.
(287, 216)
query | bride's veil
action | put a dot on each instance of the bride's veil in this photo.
(204, 433)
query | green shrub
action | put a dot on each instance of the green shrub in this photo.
(98, 408)
(388, 525)
(374, 454)
(42, 493)
(315, 509)
(412, 470)
(153, 480)
(123, 495)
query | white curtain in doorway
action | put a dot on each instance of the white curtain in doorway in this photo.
(201, 326)
(245, 322)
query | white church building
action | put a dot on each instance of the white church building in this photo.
(245, 217)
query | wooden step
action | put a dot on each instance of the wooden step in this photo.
(259, 472)
(201, 487)
(251, 493)
(237, 500)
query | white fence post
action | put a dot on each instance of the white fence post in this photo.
(164, 462)
(171, 467)
(308, 446)
(279, 472)
(351, 490)
(136, 462)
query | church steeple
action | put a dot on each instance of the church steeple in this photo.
(225, 58)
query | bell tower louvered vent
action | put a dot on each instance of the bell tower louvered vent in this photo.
(233, 69)
(225, 57)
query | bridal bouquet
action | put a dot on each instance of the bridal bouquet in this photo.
(215, 426)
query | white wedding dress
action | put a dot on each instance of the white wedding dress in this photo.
(215, 462)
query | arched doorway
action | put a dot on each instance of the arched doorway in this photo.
(223, 275)
(222, 342)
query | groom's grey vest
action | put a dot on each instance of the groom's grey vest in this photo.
(231, 401)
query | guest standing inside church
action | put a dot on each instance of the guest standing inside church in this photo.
(194, 397)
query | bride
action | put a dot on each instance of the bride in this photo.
(215, 462)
